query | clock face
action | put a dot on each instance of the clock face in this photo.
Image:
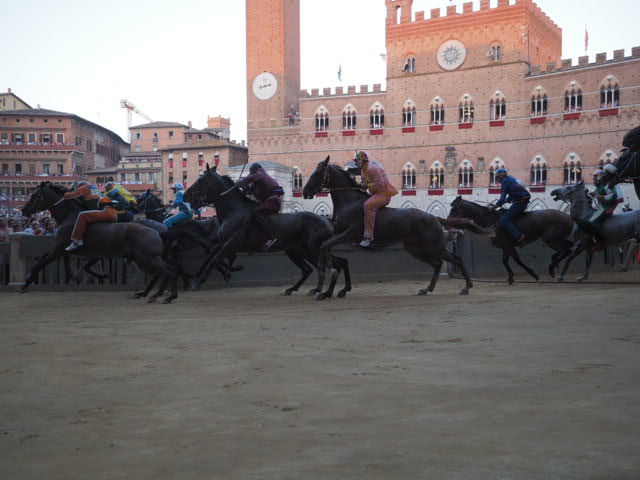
(265, 86)
(451, 54)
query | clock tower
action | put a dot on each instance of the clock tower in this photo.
(273, 62)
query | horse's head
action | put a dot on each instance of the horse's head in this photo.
(43, 198)
(568, 192)
(318, 181)
(456, 207)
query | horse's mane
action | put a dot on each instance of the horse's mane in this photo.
(346, 174)
(56, 188)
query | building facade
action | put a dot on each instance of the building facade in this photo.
(10, 101)
(466, 92)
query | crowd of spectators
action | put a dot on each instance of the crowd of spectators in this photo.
(40, 224)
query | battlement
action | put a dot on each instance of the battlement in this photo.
(395, 20)
(583, 62)
(340, 91)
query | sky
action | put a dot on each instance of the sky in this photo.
(183, 61)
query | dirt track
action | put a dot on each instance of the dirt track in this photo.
(532, 381)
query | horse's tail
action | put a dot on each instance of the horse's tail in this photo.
(465, 224)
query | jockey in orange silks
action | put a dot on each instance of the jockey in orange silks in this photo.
(376, 181)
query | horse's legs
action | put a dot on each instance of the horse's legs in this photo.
(518, 260)
(587, 267)
(297, 257)
(562, 252)
(55, 254)
(578, 248)
(87, 268)
(343, 265)
(450, 257)
(418, 252)
(325, 256)
(230, 247)
(506, 254)
(145, 292)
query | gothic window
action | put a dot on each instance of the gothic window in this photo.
(495, 165)
(376, 116)
(498, 107)
(297, 180)
(465, 174)
(607, 157)
(609, 92)
(436, 176)
(573, 97)
(437, 111)
(409, 64)
(466, 109)
(409, 114)
(539, 102)
(322, 119)
(408, 177)
(349, 118)
(538, 171)
(495, 53)
(572, 169)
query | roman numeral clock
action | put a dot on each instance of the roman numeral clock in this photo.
(265, 86)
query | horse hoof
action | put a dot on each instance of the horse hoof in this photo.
(321, 296)
(581, 278)
(510, 281)
(195, 287)
(341, 294)
(312, 292)
(464, 291)
(536, 278)
(167, 300)
(424, 291)
(287, 292)
(560, 279)
(135, 296)
(152, 299)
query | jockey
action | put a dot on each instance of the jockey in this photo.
(184, 209)
(105, 211)
(125, 208)
(374, 179)
(269, 193)
(514, 192)
(609, 196)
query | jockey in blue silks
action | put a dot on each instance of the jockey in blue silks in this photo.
(184, 209)
(514, 192)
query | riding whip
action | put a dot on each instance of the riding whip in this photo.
(236, 185)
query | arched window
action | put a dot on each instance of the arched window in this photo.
(437, 111)
(349, 118)
(538, 171)
(376, 116)
(322, 119)
(436, 176)
(610, 92)
(498, 106)
(495, 165)
(409, 114)
(573, 97)
(465, 174)
(465, 109)
(608, 156)
(572, 169)
(297, 180)
(539, 102)
(495, 53)
(408, 177)
(409, 64)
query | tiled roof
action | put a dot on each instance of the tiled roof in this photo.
(160, 125)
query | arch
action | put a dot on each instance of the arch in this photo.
(409, 63)
(573, 97)
(436, 175)
(322, 119)
(323, 210)
(437, 111)
(495, 51)
(498, 106)
(296, 180)
(538, 170)
(496, 163)
(349, 117)
(537, 204)
(539, 102)
(376, 116)
(409, 114)
(409, 178)
(608, 156)
(572, 167)
(437, 209)
(610, 92)
(466, 111)
(465, 174)
(296, 208)
(408, 204)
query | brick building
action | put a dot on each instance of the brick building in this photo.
(466, 92)
(137, 171)
(40, 144)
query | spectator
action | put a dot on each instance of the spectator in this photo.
(34, 228)
(5, 230)
(50, 227)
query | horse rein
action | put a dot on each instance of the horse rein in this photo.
(324, 186)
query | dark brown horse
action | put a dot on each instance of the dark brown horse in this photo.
(422, 234)
(553, 227)
(128, 240)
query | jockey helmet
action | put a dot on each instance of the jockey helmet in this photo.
(177, 186)
(501, 171)
(255, 166)
(109, 186)
(361, 156)
(597, 173)
(610, 169)
(81, 183)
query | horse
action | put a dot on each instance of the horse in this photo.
(553, 227)
(628, 165)
(300, 235)
(151, 206)
(616, 230)
(130, 240)
(421, 234)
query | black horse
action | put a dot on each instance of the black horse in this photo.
(300, 235)
(628, 165)
(151, 206)
(127, 240)
(422, 234)
(553, 227)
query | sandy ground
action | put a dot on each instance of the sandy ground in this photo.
(522, 382)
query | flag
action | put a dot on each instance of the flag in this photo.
(340, 73)
(586, 38)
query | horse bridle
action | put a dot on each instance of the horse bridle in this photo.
(326, 187)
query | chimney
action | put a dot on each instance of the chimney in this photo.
(189, 124)
(8, 90)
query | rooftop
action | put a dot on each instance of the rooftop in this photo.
(203, 144)
(159, 125)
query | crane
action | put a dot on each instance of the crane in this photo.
(131, 108)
